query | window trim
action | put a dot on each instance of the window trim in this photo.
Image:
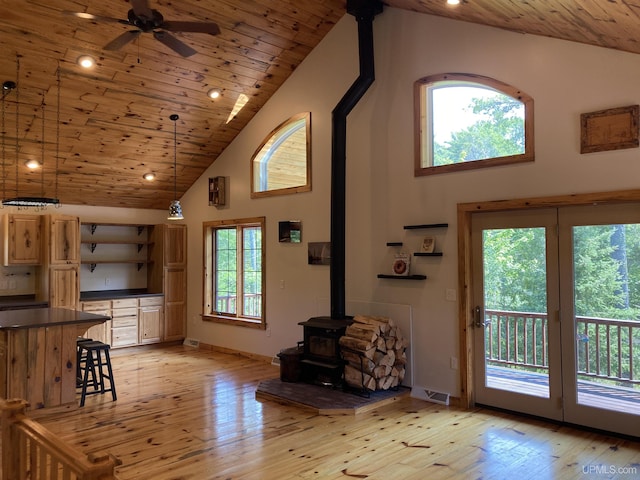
(209, 274)
(256, 171)
(420, 119)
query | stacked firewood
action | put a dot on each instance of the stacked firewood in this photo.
(375, 351)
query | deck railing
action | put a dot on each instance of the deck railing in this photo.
(252, 304)
(606, 348)
(30, 451)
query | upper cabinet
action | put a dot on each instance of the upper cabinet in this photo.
(64, 240)
(21, 239)
(175, 246)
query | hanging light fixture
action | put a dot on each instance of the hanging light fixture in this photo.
(175, 210)
(40, 202)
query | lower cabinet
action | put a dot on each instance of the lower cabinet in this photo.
(102, 332)
(134, 321)
(150, 316)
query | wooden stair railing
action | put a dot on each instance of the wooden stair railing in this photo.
(31, 452)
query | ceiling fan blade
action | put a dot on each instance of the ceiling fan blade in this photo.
(141, 8)
(196, 27)
(174, 44)
(95, 18)
(120, 41)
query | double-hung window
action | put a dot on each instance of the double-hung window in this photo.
(234, 272)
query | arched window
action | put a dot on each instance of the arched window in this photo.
(466, 121)
(282, 164)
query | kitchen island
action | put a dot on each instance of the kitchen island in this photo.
(38, 353)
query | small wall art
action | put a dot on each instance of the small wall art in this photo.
(290, 231)
(319, 253)
(428, 245)
(611, 129)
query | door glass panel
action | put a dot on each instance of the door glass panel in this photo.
(515, 310)
(606, 266)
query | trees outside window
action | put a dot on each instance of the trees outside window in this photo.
(468, 121)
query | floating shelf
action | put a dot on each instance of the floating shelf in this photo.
(93, 263)
(427, 225)
(425, 254)
(402, 277)
(394, 244)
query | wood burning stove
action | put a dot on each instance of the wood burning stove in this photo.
(321, 359)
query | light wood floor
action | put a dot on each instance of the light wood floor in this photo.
(184, 413)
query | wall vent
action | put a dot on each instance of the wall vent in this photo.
(191, 342)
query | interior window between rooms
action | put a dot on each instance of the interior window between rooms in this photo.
(464, 121)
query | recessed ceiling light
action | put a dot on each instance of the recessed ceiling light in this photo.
(453, 2)
(32, 164)
(86, 61)
(149, 177)
(213, 93)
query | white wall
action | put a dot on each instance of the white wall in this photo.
(565, 80)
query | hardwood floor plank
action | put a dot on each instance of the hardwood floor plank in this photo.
(190, 414)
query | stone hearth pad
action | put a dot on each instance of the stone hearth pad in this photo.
(325, 400)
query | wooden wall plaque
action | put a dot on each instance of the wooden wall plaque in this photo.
(611, 129)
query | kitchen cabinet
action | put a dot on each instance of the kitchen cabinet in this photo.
(59, 280)
(21, 239)
(124, 322)
(150, 319)
(102, 332)
(167, 273)
(64, 239)
(64, 287)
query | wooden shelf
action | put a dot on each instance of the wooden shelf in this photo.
(95, 225)
(427, 225)
(425, 254)
(394, 244)
(402, 277)
(93, 263)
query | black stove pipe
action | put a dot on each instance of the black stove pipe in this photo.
(364, 11)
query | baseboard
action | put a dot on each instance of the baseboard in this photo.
(230, 351)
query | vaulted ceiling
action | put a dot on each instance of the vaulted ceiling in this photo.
(114, 119)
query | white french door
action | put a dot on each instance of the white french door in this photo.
(512, 306)
(557, 314)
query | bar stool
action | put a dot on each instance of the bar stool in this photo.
(80, 359)
(94, 366)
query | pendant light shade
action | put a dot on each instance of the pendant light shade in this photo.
(175, 210)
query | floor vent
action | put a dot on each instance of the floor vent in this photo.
(437, 397)
(191, 342)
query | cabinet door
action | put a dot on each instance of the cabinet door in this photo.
(22, 239)
(175, 295)
(150, 320)
(175, 246)
(64, 287)
(64, 240)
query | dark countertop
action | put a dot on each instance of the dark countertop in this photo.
(113, 294)
(15, 302)
(46, 317)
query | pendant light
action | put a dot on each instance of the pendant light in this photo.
(40, 202)
(175, 210)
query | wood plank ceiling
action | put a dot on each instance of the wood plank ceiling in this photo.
(114, 119)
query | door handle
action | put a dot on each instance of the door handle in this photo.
(478, 317)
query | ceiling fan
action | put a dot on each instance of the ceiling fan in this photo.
(145, 19)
